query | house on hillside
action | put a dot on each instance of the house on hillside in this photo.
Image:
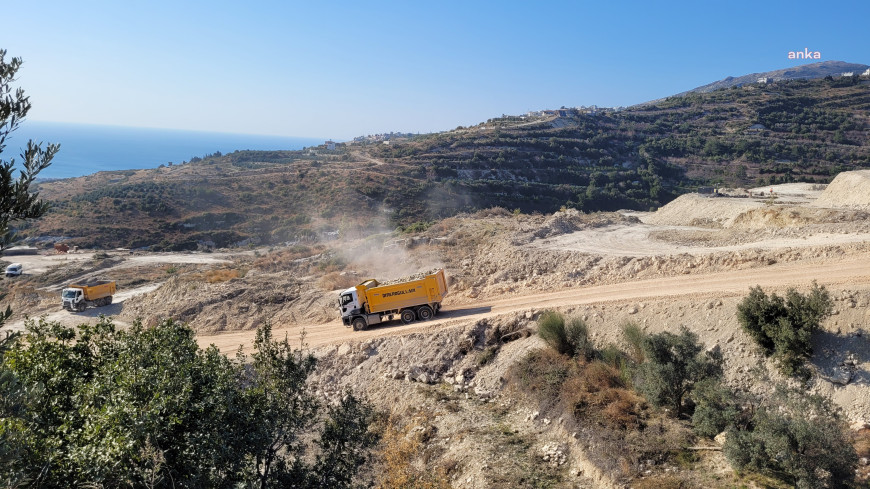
(330, 145)
(756, 128)
(866, 73)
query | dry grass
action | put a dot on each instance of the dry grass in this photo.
(541, 373)
(215, 276)
(285, 259)
(662, 482)
(598, 393)
(337, 280)
(401, 447)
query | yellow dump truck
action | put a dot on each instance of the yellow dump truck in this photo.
(77, 297)
(371, 302)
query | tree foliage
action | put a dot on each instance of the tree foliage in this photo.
(783, 327)
(147, 407)
(673, 365)
(17, 201)
(797, 437)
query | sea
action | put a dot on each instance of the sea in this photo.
(87, 148)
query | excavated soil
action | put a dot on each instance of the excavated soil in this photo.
(848, 189)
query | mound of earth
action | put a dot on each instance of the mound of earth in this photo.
(788, 217)
(848, 189)
(237, 304)
(698, 210)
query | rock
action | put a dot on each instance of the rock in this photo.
(344, 349)
(720, 438)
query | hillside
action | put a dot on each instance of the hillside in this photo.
(809, 71)
(638, 158)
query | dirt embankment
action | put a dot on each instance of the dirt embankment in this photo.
(236, 304)
(848, 189)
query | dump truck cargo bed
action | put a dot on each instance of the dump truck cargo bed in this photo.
(430, 289)
(96, 289)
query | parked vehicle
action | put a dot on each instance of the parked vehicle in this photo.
(371, 303)
(77, 297)
(14, 270)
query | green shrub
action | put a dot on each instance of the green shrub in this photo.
(635, 338)
(783, 327)
(570, 339)
(797, 437)
(577, 335)
(715, 408)
(551, 329)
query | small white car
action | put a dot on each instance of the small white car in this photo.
(14, 270)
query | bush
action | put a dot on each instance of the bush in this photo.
(635, 338)
(715, 409)
(146, 407)
(797, 437)
(674, 364)
(597, 392)
(542, 373)
(570, 339)
(783, 328)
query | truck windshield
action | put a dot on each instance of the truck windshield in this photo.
(69, 294)
(346, 299)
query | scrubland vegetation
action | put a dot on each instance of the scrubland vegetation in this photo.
(664, 395)
(102, 407)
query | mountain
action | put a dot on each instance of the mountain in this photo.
(804, 72)
(637, 158)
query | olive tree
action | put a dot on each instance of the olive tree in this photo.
(673, 364)
(795, 436)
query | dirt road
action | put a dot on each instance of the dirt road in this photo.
(635, 240)
(851, 271)
(90, 315)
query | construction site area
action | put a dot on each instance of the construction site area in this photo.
(688, 264)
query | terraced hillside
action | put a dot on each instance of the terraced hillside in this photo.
(638, 158)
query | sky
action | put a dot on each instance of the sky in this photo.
(343, 69)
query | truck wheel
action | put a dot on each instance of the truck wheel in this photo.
(408, 316)
(359, 324)
(109, 301)
(425, 313)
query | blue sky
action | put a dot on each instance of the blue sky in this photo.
(342, 69)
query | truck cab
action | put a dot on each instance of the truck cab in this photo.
(349, 305)
(72, 298)
(14, 270)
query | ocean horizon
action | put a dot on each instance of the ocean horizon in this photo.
(86, 149)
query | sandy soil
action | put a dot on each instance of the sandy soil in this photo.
(37, 264)
(90, 315)
(635, 240)
(851, 271)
